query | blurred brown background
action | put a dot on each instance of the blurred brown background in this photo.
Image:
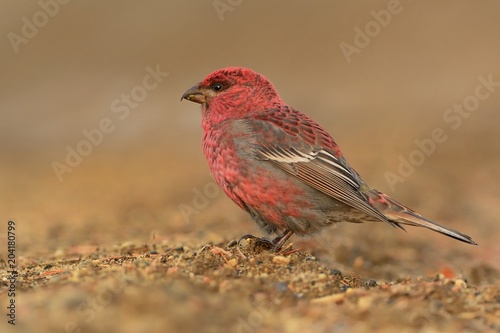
(65, 77)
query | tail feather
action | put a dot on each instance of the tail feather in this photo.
(400, 214)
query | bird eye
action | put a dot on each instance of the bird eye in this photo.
(217, 87)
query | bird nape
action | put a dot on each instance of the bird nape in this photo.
(281, 166)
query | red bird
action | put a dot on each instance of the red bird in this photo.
(281, 166)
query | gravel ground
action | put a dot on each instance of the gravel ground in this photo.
(161, 286)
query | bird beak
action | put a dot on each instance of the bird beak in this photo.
(195, 94)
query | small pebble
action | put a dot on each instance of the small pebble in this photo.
(280, 260)
(335, 298)
(371, 283)
(233, 262)
(321, 277)
(459, 283)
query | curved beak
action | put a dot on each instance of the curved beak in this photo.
(195, 94)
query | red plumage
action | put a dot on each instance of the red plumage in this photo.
(281, 166)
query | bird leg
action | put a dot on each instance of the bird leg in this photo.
(279, 241)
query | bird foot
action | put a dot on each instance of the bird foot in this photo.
(273, 246)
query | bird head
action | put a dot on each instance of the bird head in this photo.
(233, 92)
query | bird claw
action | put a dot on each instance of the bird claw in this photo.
(267, 244)
(273, 246)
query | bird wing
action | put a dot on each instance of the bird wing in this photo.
(323, 171)
(305, 153)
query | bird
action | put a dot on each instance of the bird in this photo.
(282, 167)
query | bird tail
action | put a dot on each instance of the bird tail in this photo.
(400, 214)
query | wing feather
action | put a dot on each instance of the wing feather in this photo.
(323, 171)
